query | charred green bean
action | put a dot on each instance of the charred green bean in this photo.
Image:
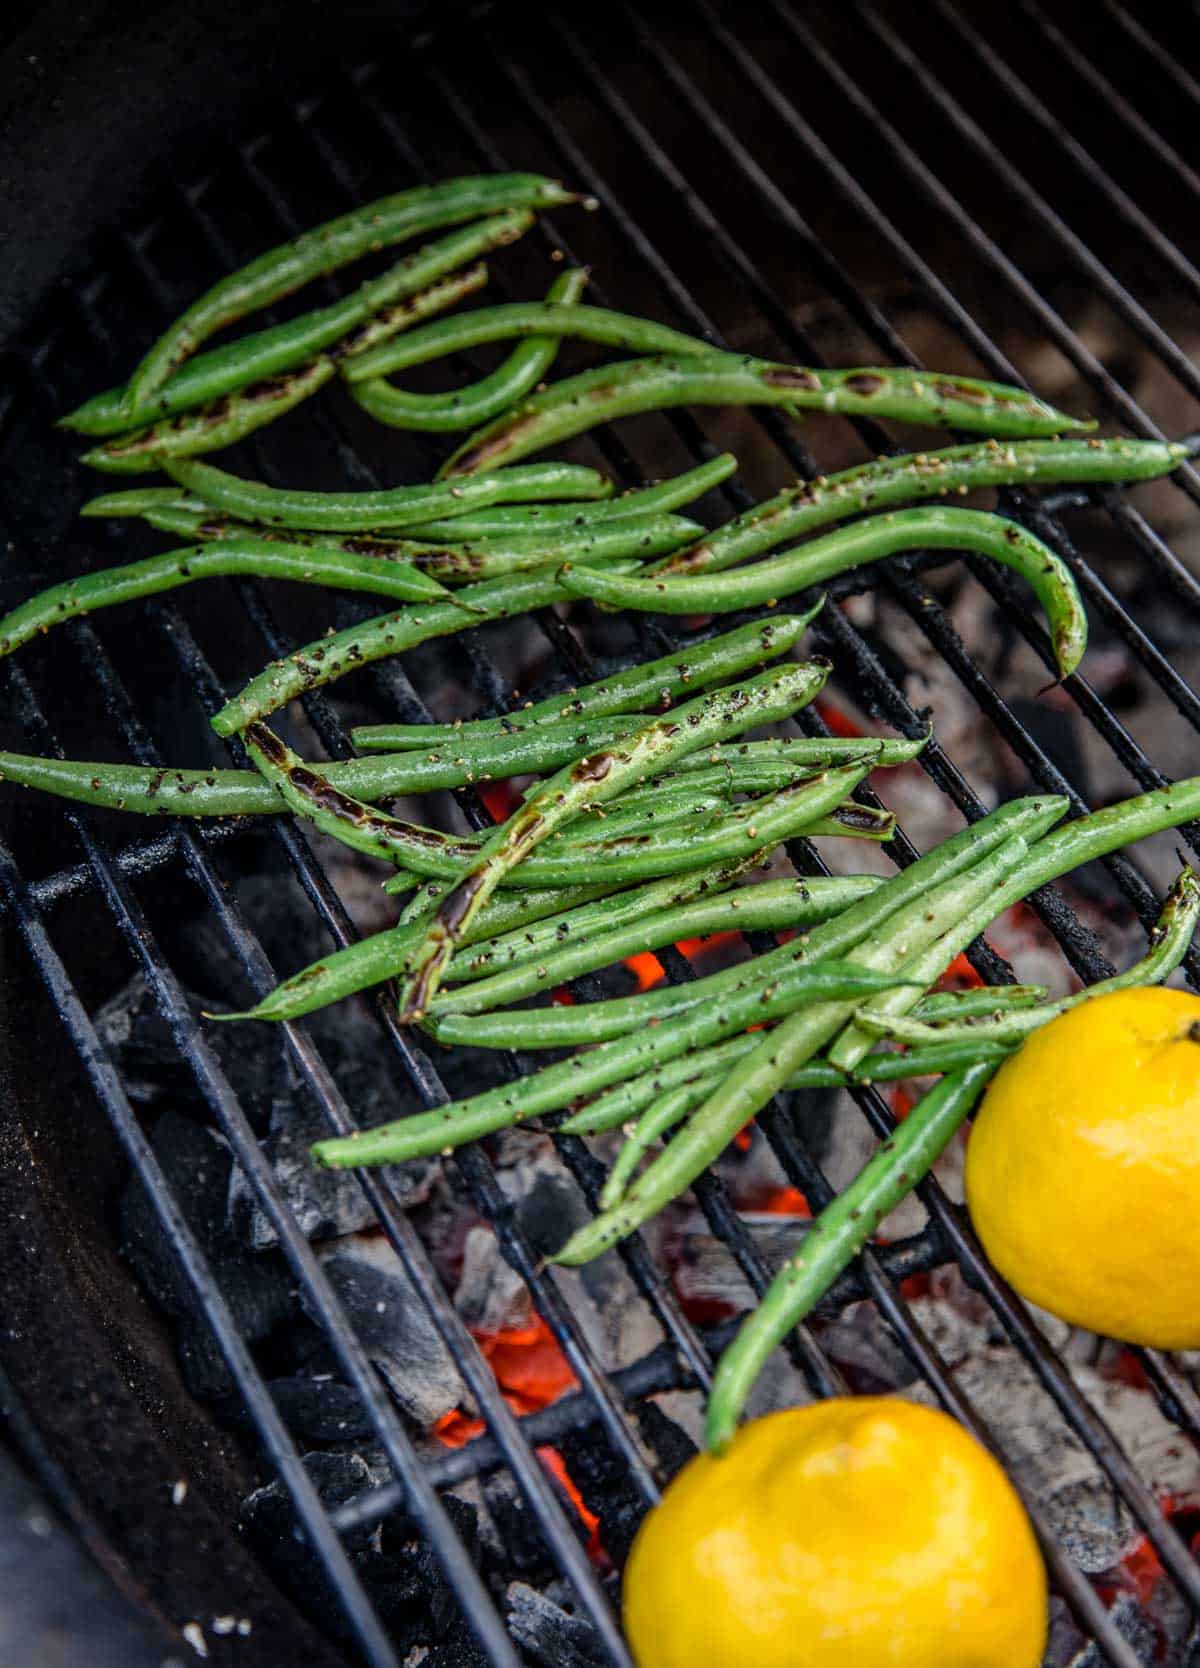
(851, 547)
(327, 248)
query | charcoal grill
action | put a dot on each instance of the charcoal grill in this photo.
(760, 176)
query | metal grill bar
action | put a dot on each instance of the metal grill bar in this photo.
(602, 1399)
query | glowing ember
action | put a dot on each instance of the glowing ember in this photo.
(782, 1201)
(501, 799)
(960, 975)
(532, 1372)
(646, 969)
(837, 722)
(902, 1102)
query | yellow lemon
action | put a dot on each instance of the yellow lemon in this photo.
(1083, 1168)
(861, 1532)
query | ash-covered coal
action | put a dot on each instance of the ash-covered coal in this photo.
(550, 1636)
(258, 1289)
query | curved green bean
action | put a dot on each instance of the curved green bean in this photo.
(328, 658)
(652, 686)
(711, 717)
(160, 791)
(582, 402)
(525, 319)
(1170, 940)
(835, 1238)
(659, 1118)
(556, 1086)
(281, 347)
(670, 494)
(850, 547)
(349, 512)
(886, 482)
(173, 568)
(771, 906)
(599, 1021)
(327, 248)
(518, 376)
(232, 416)
(982, 999)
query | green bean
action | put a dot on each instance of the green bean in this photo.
(708, 1065)
(330, 657)
(835, 1238)
(556, 1086)
(517, 319)
(281, 347)
(886, 482)
(711, 717)
(773, 905)
(497, 953)
(599, 1021)
(671, 494)
(372, 960)
(142, 500)
(806, 900)
(983, 999)
(851, 547)
(214, 792)
(1169, 943)
(512, 380)
(593, 397)
(173, 568)
(349, 512)
(652, 686)
(327, 248)
(232, 416)
(657, 1120)
(753, 1080)
(798, 751)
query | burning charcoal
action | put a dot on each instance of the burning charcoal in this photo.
(137, 1037)
(258, 1289)
(413, 1597)
(394, 1325)
(604, 1484)
(1133, 1626)
(491, 1296)
(325, 1203)
(549, 1205)
(321, 1409)
(550, 1636)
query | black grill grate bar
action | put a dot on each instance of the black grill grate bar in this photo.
(1148, 1511)
(1166, 61)
(1100, 83)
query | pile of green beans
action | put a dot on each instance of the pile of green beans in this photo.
(644, 782)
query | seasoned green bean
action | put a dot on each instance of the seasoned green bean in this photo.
(671, 494)
(1170, 940)
(556, 1086)
(329, 657)
(652, 686)
(711, 717)
(349, 512)
(753, 1080)
(518, 376)
(593, 397)
(837, 1235)
(793, 751)
(886, 482)
(851, 547)
(598, 1021)
(327, 248)
(281, 347)
(517, 319)
(173, 568)
(771, 906)
(983, 999)
(233, 416)
(215, 792)
(659, 1118)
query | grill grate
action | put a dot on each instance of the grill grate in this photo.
(546, 104)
